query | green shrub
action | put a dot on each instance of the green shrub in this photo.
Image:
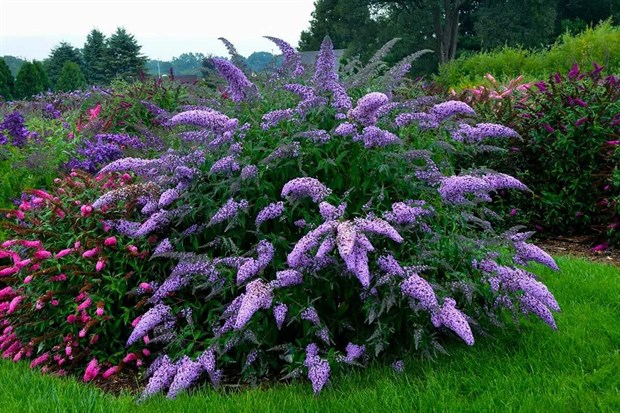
(71, 78)
(596, 44)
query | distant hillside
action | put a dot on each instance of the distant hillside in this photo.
(14, 63)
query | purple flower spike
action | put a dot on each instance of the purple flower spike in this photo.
(318, 369)
(450, 317)
(291, 57)
(187, 373)
(271, 211)
(152, 318)
(298, 188)
(418, 288)
(279, 313)
(446, 110)
(257, 295)
(239, 86)
(367, 107)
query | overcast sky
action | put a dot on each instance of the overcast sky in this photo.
(30, 28)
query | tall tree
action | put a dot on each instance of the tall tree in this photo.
(123, 57)
(187, 63)
(28, 81)
(14, 63)
(7, 82)
(45, 81)
(94, 54)
(348, 23)
(60, 54)
(529, 23)
(71, 78)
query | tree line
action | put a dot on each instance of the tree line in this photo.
(449, 27)
(68, 68)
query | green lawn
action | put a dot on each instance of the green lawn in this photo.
(576, 369)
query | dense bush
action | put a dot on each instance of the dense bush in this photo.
(311, 228)
(70, 290)
(569, 128)
(592, 45)
(308, 236)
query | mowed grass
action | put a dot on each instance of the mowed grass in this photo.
(574, 369)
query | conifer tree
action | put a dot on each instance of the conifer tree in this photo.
(123, 58)
(71, 78)
(94, 54)
(7, 82)
(28, 81)
(58, 56)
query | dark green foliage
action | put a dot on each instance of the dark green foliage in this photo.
(94, 54)
(29, 81)
(71, 78)
(527, 23)
(187, 63)
(42, 74)
(60, 54)
(7, 83)
(123, 59)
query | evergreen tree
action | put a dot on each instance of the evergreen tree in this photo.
(123, 57)
(7, 83)
(71, 78)
(28, 81)
(94, 54)
(60, 54)
(45, 82)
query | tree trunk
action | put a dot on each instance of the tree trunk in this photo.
(446, 24)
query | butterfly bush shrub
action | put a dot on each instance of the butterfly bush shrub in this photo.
(572, 122)
(69, 288)
(313, 228)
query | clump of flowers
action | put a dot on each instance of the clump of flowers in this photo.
(67, 283)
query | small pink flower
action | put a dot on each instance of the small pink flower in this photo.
(42, 194)
(85, 304)
(60, 213)
(63, 253)
(600, 247)
(106, 227)
(94, 339)
(14, 303)
(91, 252)
(28, 279)
(513, 212)
(146, 352)
(54, 303)
(68, 350)
(33, 244)
(35, 267)
(8, 271)
(92, 370)
(129, 358)
(132, 249)
(86, 210)
(135, 321)
(99, 311)
(77, 245)
(109, 242)
(100, 265)
(42, 255)
(110, 372)
(23, 263)
(146, 339)
(39, 360)
(139, 362)
(145, 286)
(71, 318)
(613, 143)
(82, 333)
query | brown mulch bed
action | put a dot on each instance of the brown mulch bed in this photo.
(579, 246)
